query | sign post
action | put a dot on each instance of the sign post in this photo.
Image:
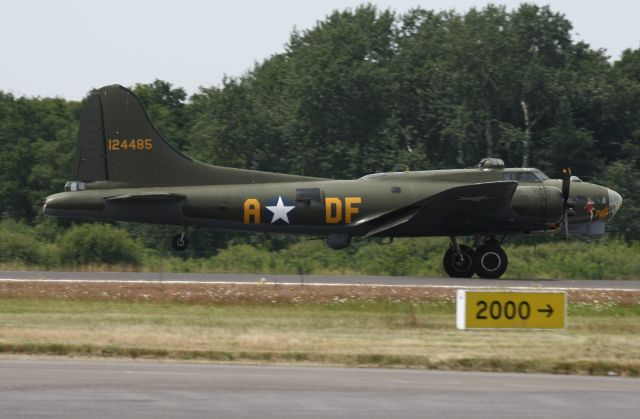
(511, 309)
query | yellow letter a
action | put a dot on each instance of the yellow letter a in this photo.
(251, 209)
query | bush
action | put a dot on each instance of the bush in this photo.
(314, 257)
(99, 244)
(16, 247)
(242, 258)
(19, 245)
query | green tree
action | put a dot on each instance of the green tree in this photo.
(167, 109)
(37, 139)
(98, 244)
(624, 177)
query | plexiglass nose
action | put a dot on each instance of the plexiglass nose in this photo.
(615, 201)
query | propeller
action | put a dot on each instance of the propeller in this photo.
(566, 186)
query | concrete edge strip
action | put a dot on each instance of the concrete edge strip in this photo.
(315, 284)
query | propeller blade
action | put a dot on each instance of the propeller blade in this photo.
(566, 184)
(566, 188)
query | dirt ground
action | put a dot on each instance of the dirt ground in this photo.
(233, 293)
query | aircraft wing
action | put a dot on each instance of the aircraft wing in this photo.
(471, 199)
(458, 201)
(392, 222)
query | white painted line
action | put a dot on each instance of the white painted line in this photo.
(298, 284)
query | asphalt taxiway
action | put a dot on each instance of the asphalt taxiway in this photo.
(33, 388)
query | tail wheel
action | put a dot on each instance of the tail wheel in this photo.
(180, 242)
(490, 261)
(457, 267)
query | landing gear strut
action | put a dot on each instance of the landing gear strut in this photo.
(180, 241)
(458, 260)
(487, 260)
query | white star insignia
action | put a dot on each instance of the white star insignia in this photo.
(280, 211)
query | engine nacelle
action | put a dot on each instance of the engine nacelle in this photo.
(538, 201)
(338, 241)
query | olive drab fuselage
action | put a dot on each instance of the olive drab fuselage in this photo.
(339, 206)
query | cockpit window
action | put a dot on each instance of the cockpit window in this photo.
(527, 177)
(540, 175)
(533, 176)
(520, 176)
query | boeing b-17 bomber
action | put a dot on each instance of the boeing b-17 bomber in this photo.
(124, 170)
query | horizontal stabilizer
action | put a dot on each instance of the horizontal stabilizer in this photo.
(152, 196)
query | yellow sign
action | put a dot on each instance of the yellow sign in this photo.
(511, 309)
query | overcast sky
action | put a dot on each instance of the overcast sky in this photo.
(66, 47)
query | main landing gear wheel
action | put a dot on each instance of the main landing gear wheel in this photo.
(180, 242)
(457, 267)
(490, 261)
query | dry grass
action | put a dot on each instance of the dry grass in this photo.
(352, 325)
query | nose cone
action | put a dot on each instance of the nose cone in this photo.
(615, 201)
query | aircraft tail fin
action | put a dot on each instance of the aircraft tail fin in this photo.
(118, 143)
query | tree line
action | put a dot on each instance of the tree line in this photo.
(368, 90)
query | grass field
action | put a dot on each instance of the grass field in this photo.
(602, 337)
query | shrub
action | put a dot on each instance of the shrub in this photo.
(19, 245)
(16, 247)
(99, 244)
(242, 258)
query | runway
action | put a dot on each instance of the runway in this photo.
(321, 279)
(34, 388)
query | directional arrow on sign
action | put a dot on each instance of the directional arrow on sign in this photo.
(548, 310)
(511, 309)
